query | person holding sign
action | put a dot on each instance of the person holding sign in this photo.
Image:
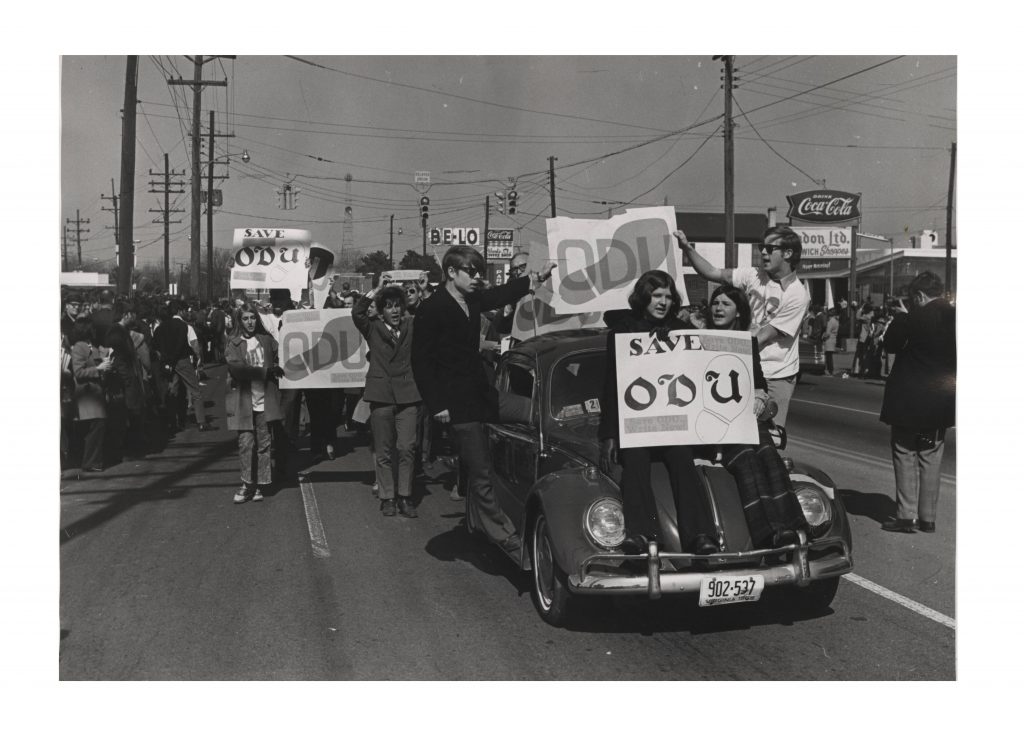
(253, 400)
(450, 375)
(769, 504)
(778, 302)
(392, 394)
(654, 305)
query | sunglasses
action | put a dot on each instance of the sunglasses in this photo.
(770, 247)
(471, 272)
(520, 268)
(412, 292)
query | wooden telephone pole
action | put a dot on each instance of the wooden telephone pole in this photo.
(167, 184)
(731, 256)
(126, 224)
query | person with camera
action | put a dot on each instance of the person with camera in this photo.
(919, 403)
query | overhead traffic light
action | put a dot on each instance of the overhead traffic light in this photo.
(500, 197)
(512, 197)
(424, 209)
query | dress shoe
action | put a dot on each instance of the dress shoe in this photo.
(388, 508)
(925, 527)
(703, 545)
(406, 508)
(634, 544)
(899, 525)
(512, 545)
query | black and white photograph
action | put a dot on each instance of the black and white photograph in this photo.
(572, 369)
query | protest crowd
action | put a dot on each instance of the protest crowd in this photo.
(134, 370)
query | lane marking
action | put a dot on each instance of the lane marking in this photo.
(899, 599)
(317, 537)
(876, 461)
(836, 407)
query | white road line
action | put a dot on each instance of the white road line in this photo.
(317, 537)
(837, 407)
(899, 599)
(881, 463)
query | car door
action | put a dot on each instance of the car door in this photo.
(514, 444)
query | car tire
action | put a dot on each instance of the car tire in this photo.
(551, 595)
(816, 596)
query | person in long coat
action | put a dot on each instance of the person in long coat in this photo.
(89, 365)
(920, 400)
(394, 399)
(253, 399)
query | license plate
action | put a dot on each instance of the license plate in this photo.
(727, 589)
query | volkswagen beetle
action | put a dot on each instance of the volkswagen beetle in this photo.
(569, 513)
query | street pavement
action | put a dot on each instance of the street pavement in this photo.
(163, 577)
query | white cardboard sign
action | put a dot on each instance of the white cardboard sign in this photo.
(270, 258)
(599, 261)
(321, 349)
(695, 388)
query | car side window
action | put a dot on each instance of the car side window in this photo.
(519, 381)
(518, 406)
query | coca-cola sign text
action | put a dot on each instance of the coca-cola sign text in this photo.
(824, 206)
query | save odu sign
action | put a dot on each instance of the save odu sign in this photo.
(824, 206)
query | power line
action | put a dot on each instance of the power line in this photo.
(770, 147)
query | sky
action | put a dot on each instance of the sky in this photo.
(642, 130)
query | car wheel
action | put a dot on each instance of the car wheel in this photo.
(551, 593)
(816, 596)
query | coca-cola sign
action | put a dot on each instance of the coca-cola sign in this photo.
(824, 206)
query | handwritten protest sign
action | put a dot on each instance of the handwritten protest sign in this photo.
(694, 388)
(599, 261)
(268, 258)
(534, 316)
(321, 349)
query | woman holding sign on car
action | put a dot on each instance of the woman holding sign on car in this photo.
(654, 304)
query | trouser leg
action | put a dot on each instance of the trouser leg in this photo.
(638, 506)
(323, 430)
(693, 512)
(781, 390)
(92, 453)
(382, 429)
(263, 448)
(829, 367)
(187, 374)
(406, 421)
(742, 463)
(903, 443)
(246, 456)
(290, 407)
(482, 503)
(929, 467)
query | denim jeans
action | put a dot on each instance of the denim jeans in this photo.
(394, 445)
(917, 473)
(254, 452)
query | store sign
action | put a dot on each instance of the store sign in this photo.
(810, 267)
(499, 234)
(824, 206)
(499, 251)
(824, 243)
(454, 236)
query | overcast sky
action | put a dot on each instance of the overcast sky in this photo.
(878, 125)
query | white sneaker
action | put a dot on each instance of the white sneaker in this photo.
(242, 495)
(257, 495)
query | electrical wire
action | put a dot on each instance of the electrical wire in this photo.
(770, 147)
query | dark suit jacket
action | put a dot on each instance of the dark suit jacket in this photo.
(446, 358)
(171, 340)
(920, 391)
(389, 378)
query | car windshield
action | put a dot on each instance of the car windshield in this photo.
(577, 383)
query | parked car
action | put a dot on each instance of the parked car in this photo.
(569, 513)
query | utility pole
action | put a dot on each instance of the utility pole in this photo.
(391, 243)
(126, 222)
(487, 223)
(65, 250)
(113, 198)
(209, 219)
(949, 221)
(731, 257)
(167, 173)
(197, 83)
(78, 232)
(551, 181)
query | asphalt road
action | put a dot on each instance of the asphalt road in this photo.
(162, 577)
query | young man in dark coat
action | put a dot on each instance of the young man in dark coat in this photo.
(451, 378)
(920, 400)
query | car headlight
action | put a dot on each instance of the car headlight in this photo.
(605, 523)
(815, 506)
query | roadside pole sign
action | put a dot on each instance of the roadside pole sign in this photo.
(455, 237)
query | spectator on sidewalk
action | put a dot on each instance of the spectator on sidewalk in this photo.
(176, 343)
(252, 401)
(89, 366)
(829, 338)
(778, 302)
(919, 403)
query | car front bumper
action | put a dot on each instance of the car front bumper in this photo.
(802, 569)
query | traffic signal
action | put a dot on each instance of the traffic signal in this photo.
(500, 197)
(512, 197)
(424, 209)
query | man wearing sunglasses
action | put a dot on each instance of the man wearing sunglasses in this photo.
(452, 380)
(778, 303)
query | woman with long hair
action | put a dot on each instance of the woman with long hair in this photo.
(90, 367)
(653, 307)
(253, 400)
(772, 511)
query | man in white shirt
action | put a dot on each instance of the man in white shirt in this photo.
(778, 302)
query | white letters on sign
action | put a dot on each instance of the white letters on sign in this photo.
(693, 388)
(321, 349)
(599, 261)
